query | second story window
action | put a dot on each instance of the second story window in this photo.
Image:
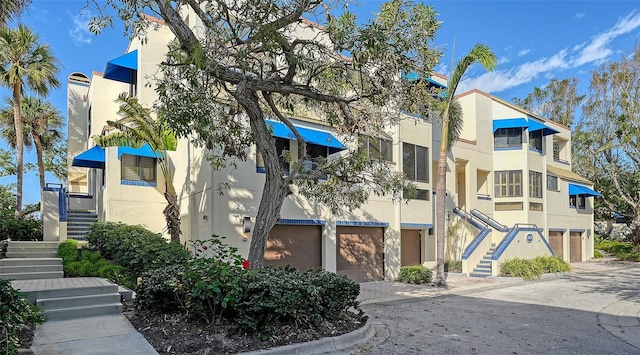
(508, 183)
(535, 184)
(137, 168)
(552, 183)
(314, 154)
(377, 147)
(507, 138)
(535, 140)
(560, 150)
(415, 162)
(578, 201)
(281, 146)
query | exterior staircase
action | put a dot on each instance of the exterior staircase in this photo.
(31, 260)
(79, 222)
(483, 269)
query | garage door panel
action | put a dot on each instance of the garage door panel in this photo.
(298, 246)
(360, 253)
(556, 242)
(575, 247)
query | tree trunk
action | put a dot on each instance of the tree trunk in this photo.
(441, 200)
(39, 155)
(274, 192)
(17, 121)
(635, 232)
(172, 215)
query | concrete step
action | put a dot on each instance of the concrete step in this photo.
(82, 312)
(30, 261)
(77, 291)
(29, 268)
(485, 262)
(77, 301)
(482, 271)
(482, 267)
(27, 244)
(33, 275)
(29, 254)
(13, 249)
(474, 274)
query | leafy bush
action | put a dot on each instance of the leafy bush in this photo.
(453, 266)
(135, 247)
(417, 274)
(532, 269)
(16, 314)
(92, 264)
(597, 254)
(272, 297)
(629, 256)
(20, 228)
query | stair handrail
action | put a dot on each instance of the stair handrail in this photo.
(490, 221)
(513, 232)
(475, 243)
(476, 222)
(473, 220)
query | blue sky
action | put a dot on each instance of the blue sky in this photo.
(535, 41)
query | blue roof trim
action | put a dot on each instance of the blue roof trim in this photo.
(416, 225)
(576, 230)
(313, 222)
(575, 189)
(537, 126)
(313, 136)
(144, 151)
(557, 229)
(363, 224)
(510, 123)
(123, 68)
(90, 158)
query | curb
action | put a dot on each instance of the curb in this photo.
(323, 345)
(505, 279)
(622, 320)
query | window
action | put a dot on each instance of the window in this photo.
(560, 150)
(282, 145)
(535, 140)
(552, 183)
(136, 168)
(377, 147)
(421, 194)
(482, 183)
(314, 154)
(508, 183)
(535, 206)
(578, 201)
(508, 206)
(535, 184)
(507, 138)
(415, 162)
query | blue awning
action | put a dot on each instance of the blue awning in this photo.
(144, 151)
(123, 68)
(90, 158)
(310, 135)
(510, 123)
(575, 189)
(537, 126)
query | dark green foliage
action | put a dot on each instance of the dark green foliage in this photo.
(272, 297)
(134, 247)
(20, 228)
(453, 265)
(532, 269)
(92, 264)
(597, 254)
(416, 274)
(16, 313)
(613, 246)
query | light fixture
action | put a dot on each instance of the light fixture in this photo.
(246, 224)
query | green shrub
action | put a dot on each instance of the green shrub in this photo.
(518, 267)
(597, 254)
(273, 297)
(551, 264)
(162, 290)
(16, 313)
(417, 274)
(68, 251)
(20, 228)
(629, 256)
(135, 247)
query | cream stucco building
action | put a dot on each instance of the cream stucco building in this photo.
(511, 191)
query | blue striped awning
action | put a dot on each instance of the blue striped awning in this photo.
(537, 126)
(313, 136)
(575, 189)
(123, 68)
(144, 151)
(510, 123)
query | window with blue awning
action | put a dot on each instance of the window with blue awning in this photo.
(537, 126)
(510, 123)
(575, 189)
(90, 158)
(312, 136)
(144, 151)
(123, 69)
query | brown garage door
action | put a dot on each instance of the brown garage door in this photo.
(555, 241)
(575, 246)
(410, 247)
(360, 253)
(298, 246)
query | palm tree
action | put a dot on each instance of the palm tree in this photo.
(452, 120)
(137, 128)
(24, 63)
(42, 123)
(11, 8)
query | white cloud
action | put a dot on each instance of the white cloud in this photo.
(523, 52)
(596, 50)
(578, 16)
(503, 60)
(80, 31)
